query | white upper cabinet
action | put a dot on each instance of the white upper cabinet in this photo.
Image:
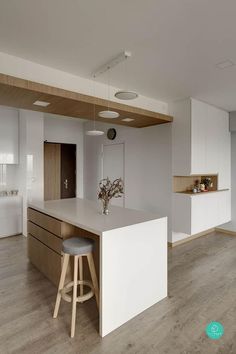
(201, 140)
(9, 128)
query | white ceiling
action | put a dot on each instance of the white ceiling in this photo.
(176, 44)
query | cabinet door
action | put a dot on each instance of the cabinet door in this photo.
(213, 136)
(224, 207)
(224, 151)
(205, 212)
(198, 136)
(211, 210)
(9, 126)
(198, 214)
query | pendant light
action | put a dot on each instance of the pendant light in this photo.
(108, 114)
(126, 94)
(94, 131)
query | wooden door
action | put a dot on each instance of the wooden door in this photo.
(68, 171)
(52, 171)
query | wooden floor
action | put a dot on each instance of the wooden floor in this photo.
(202, 288)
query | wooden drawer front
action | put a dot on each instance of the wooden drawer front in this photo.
(47, 261)
(45, 221)
(50, 240)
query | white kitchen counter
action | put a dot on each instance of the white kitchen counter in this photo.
(87, 214)
(133, 256)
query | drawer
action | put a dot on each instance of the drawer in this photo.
(46, 237)
(47, 222)
(46, 260)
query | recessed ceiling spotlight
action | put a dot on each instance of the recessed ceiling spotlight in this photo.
(126, 95)
(41, 103)
(128, 120)
(225, 64)
(108, 114)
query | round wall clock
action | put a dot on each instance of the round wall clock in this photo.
(111, 134)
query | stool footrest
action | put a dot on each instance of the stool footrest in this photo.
(82, 298)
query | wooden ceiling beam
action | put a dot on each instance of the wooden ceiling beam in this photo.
(20, 93)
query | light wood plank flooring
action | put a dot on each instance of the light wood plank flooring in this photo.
(202, 288)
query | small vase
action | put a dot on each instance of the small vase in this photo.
(105, 210)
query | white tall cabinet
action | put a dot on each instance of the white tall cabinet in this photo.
(201, 146)
(9, 128)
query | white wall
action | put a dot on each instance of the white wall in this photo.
(67, 130)
(147, 166)
(233, 176)
(232, 122)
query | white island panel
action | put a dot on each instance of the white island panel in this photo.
(133, 271)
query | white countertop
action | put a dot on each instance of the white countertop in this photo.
(87, 214)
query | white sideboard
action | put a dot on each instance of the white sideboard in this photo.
(10, 216)
(195, 213)
(9, 132)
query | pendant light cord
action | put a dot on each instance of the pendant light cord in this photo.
(108, 84)
(94, 110)
(126, 75)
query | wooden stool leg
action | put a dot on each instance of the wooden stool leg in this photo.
(61, 283)
(81, 287)
(94, 277)
(74, 300)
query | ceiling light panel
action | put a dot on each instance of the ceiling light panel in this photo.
(127, 120)
(41, 103)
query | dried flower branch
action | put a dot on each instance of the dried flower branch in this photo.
(109, 190)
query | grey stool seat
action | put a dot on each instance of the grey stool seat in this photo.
(77, 246)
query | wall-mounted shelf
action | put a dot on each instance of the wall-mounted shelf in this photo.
(184, 184)
(202, 193)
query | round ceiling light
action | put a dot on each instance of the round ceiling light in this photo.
(94, 132)
(126, 95)
(108, 114)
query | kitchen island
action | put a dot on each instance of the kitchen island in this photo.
(131, 246)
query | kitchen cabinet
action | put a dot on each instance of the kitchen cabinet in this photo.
(193, 214)
(201, 140)
(200, 146)
(10, 216)
(9, 130)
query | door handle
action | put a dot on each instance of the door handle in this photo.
(66, 183)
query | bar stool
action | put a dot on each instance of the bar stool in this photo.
(76, 247)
